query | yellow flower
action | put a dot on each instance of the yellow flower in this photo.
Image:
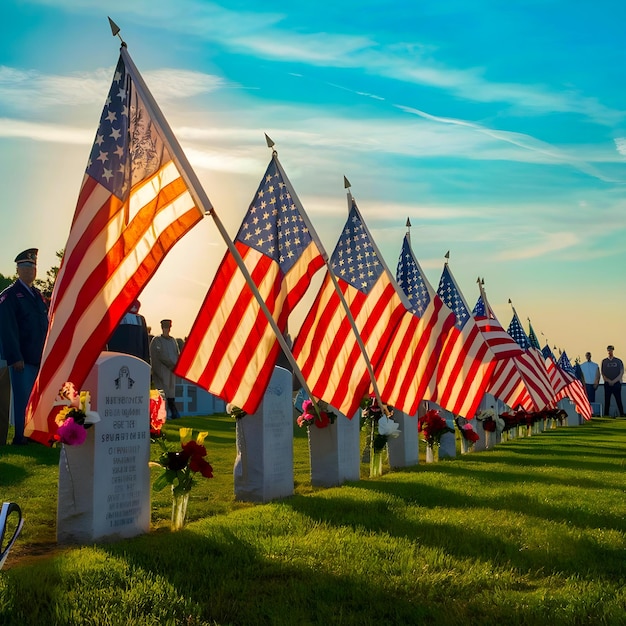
(185, 434)
(62, 415)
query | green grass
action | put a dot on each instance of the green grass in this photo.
(531, 532)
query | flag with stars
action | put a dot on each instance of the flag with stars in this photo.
(409, 365)
(466, 363)
(231, 350)
(506, 382)
(326, 348)
(557, 380)
(133, 206)
(531, 366)
(574, 390)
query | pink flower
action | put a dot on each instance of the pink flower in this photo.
(71, 433)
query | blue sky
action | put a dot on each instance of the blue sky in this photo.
(499, 130)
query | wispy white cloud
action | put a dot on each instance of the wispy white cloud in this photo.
(55, 133)
(270, 36)
(550, 243)
(32, 91)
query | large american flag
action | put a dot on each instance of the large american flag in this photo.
(326, 348)
(231, 349)
(134, 205)
(409, 365)
(575, 390)
(506, 382)
(466, 362)
(531, 366)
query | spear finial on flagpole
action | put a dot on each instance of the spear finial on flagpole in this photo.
(270, 144)
(408, 229)
(347, 185)
(447, 257)
(115, 30)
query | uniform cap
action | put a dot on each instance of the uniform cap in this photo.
(28, 257)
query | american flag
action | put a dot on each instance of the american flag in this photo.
(575, 390)
(506, 382)
(133, 206)
(326, 348)
(531, 366)
(231, 349)
(410, 363)
(557, 380)
(466, 363)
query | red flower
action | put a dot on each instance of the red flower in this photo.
(489, 426)
(198, 464)
(323, 421)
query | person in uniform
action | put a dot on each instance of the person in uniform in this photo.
(163, 356)
(23, 328)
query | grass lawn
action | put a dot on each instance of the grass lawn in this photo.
(531, 532)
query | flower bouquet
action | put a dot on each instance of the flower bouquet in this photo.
(309, 417)
(74, 416)
(433, 427)
(380, 428)
(468, 435)
(179, 467)
(492, 424)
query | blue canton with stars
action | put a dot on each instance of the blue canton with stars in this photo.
(480, 310)
(108, 160)
(565, 365)
(274, 224)
(411, 280)
(517, 332)
(354, 259)
(547, 353)
(452, 298)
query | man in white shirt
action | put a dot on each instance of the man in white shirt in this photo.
(591, 372)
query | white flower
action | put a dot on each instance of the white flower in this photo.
(388, 427)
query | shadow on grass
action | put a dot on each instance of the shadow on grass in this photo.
(581, 558)
(222, 583)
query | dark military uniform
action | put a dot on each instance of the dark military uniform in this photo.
(23, 323)
(23, 328)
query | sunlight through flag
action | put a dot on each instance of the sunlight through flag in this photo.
(134, 205)
(506, 382)
(466, 363)
(574, 390)
(409, 365)
(326, 348)
(531, 366)
(232, 349)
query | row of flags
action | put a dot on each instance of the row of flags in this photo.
(367, 330)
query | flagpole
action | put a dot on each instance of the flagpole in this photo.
(332, 276)
(202, 201)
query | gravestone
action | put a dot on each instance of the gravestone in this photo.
(334, 451)
(263, 469)
(104, 484)
(403, 450)
(447, 448)
(573, 418)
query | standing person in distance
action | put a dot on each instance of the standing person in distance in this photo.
(23, 329)
(131, 334)
(591, 372)
(163, 356)
(612, 373)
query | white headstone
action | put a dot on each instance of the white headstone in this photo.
(263, 469)
(573, 418)
(334, 451)
(104, 484)
(447, 448)
(403, 450)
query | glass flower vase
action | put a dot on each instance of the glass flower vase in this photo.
(432, 454)
(376, 463)
(180, 500)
